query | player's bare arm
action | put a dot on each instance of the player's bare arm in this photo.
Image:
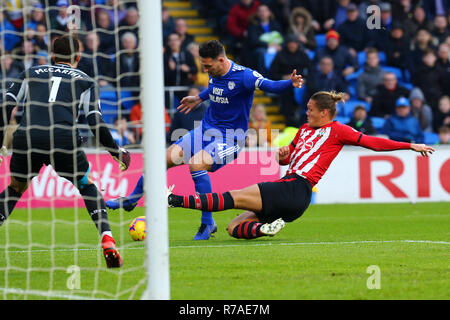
(423, 149)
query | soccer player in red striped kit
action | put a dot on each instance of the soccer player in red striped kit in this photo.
(270, 204)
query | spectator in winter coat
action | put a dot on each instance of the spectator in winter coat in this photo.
(442, 115)
(344, 62)
(383, 103)
(353, 31)
(301, 26)
(402, 126)
(420, 110)
(289, 58)
(429, 78)
(361, 122)
(238, 18)
(371, 77)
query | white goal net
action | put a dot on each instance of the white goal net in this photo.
(50, 247)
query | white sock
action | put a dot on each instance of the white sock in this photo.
(106, 233)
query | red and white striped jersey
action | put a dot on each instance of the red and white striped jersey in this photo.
(313, 149)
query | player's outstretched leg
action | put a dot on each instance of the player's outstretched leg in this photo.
(246, 225)
(202, 184)
(97, 210)
(128, 203)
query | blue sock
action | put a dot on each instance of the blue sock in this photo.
(203, 185)
(138, 191)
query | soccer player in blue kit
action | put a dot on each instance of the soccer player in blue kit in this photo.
(223, 130)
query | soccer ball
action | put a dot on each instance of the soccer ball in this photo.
(138, 229)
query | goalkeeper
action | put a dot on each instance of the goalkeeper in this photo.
(47, 134)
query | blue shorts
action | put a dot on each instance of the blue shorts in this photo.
(222, 149)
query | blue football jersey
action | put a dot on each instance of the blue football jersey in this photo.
(231, 98)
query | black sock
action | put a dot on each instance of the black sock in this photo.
(95, 204)
(205, 201)
(247, 230)
(8, 200)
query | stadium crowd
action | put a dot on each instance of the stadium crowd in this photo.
(393, 63)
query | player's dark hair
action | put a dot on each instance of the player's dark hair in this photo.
(328, 100)
(66, 48)
(211, 49)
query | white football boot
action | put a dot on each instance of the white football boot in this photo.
(271, 229)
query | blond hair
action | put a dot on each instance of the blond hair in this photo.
(328, 100)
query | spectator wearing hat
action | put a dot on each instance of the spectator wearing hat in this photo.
(291, 56)
(353, 31)
(300, 24)
(387, 94)
(322, 11)
(420, 110)
(361, 122)
(371, 77)
(402, 126)
(344, 62)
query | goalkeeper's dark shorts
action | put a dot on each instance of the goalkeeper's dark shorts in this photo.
(69, 164)
(286, 198)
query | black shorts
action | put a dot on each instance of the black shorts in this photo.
(70, 164)
(286, 198)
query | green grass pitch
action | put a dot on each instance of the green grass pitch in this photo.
(323, 255)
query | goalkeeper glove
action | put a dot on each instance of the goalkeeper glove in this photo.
(123, 158)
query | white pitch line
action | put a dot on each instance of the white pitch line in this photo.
(255, 244)
(48, 294)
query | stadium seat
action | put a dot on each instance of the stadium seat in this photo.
(321, 40)
(431, 138)
(311, 54)
(299, 95)
(350, 105)
(109, 111)
(397, 71)
(378, 123)
(407, 85)
(343, 120)
(362, 57)
(268, 59)
(383, 58)
(354, 75)
(126, 99)
(109, 105)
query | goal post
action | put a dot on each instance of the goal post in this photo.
(152, 96)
